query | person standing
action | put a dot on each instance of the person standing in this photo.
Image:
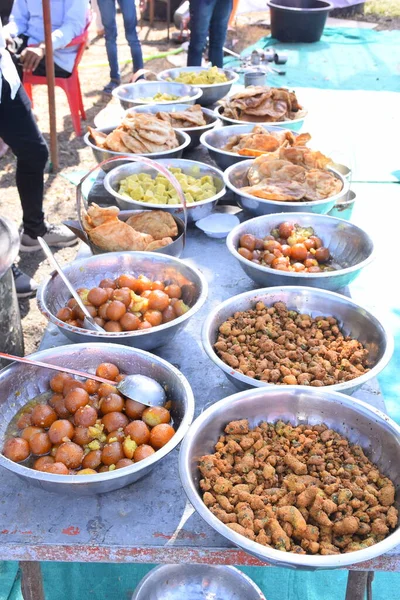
(208, 18)
(20, 132)
(108, 16)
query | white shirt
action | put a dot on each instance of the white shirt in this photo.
(68, 19)
(7, 67)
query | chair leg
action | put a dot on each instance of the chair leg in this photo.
(73, 101)
(81, 107)
(28, 89)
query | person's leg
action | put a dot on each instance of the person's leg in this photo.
(108, 16)
(58, 71)
(20, 132)
(218, 29)
(98, 21)
(130, 23)
(200, 17)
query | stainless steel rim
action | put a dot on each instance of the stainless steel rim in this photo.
(80, 264)
(234, 77)
(218, 112)
(72, 479)
(219, 174)
(185, 143)
(249, 381)
(194, 96)
(324, 275)
(277, 556)
(329, 200)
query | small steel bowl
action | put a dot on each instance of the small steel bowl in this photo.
(132, 94)
(193, 132)
(236, 177)
(216, 139)
(351, 248)
(211, 92)
(353, 320)
(360, 423)
(293, 125)
(21, 383)
(87, 273)
(195, 211)
(201, 582)
(101, 154)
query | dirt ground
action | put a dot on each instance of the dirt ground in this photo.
(74, 156)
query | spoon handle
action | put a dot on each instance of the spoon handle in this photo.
(38, 363)
(51, 258)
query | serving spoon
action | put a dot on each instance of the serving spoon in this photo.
(142, 389)
(88, 321)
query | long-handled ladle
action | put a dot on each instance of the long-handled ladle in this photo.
(141, 388)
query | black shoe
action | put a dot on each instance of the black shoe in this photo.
(26, 286)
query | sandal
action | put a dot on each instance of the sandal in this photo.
(114, 83)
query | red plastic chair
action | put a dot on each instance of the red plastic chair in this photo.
(70, 85)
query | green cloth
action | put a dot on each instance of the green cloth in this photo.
(344, 59)
(72, 581)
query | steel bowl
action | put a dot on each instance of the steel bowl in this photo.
(293, 125)
(353, 320)
(132, 94)
(173, 249)
(196, 582)
(211, 92)
(195, 211)
(351, 248)
(21, 383)
(88, 272)
(101, 154)
(236, 177)
(193, 132)
(360, 423)
(216, 139)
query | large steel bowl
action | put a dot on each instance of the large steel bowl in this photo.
(195, 210)
(196, 582)
(193, 132)
(21, 383)
(132, 94)
(293, 124)
(101, 154)
(351, 248)
(88, 272)
(362, 424)
(216, 139)
(236, 177)
(353, 320)
(211, 92)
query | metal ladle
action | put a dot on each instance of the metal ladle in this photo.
(142, 389)
(88, 321)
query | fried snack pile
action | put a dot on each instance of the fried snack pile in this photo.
(301, 489)
(292, 174)
(281, 346)
(143, 188)
(86, 428)
(261, 104)
(261, 141)
(138, 133)
(205, 77)
(146, 231)
(184, 119)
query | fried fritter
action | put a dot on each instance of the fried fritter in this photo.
(116, 236)
(157, 223)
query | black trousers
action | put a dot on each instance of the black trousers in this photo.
(20, 43)
(20, 132)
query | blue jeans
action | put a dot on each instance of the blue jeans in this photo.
(108, 17)
(208, 17)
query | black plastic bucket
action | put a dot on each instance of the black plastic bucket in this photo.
(298, 20)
